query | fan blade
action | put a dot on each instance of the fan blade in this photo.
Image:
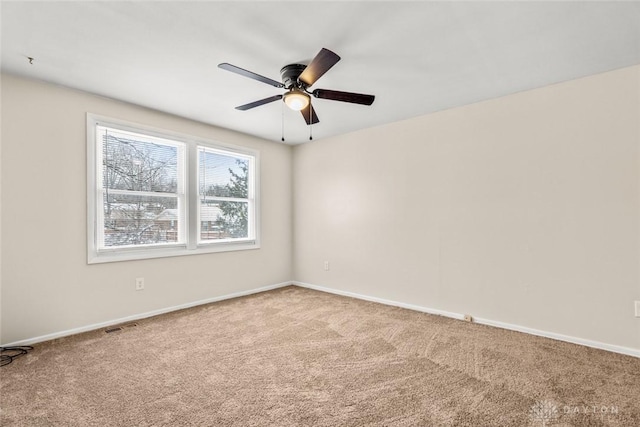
(319, 65)
(259, 103)
(354, 98)
(309, 115)
(250, 74)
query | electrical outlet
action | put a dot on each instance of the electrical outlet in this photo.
(139, 283)
(637, 308)
(326, 266)
(468, 318)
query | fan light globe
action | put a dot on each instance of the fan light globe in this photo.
(296, 100)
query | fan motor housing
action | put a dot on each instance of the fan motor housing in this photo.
(290, 74)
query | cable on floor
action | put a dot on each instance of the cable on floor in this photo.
(7, 354)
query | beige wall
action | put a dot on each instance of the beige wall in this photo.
(47, 286)
(522, 210)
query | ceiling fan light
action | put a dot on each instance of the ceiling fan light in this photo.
(296, 100)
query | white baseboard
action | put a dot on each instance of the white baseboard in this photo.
(560, 337)
(381, 300)
(139, 316)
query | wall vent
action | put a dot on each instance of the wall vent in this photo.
(119, 328)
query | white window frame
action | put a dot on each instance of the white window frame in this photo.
(192, 244)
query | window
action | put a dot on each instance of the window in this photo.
(223, 193)
(154, 193)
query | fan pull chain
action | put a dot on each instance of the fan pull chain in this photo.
(282, 121)
(310, 122)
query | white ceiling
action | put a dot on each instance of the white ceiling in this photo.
(416, 57)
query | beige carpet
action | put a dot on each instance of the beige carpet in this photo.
(296, 357)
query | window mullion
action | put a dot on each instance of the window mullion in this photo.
(193, 197)
(113, 191)
(227, 199)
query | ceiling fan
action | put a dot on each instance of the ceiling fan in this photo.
(296, 79)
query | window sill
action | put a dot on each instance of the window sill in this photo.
(140, 254)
